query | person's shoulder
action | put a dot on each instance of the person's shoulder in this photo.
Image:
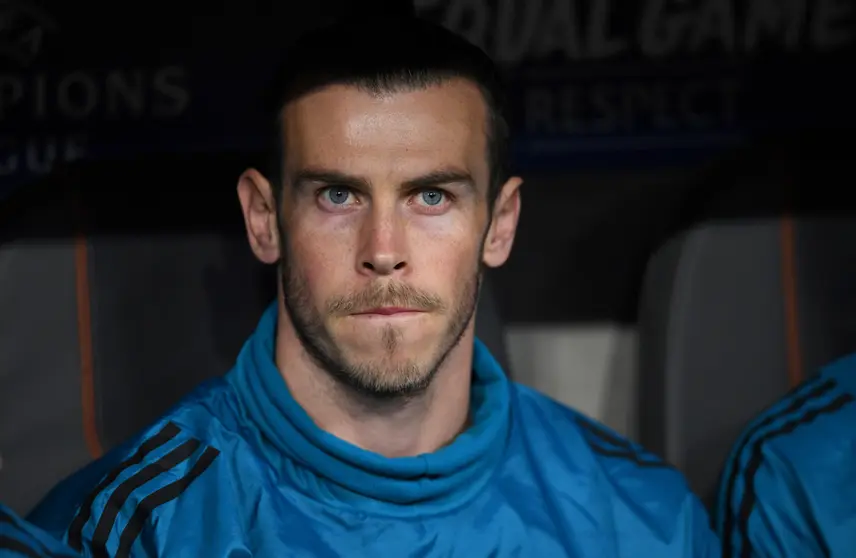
(806, 420)
(649, 501)
(792, 446)
(566, 426)
(582, 441)
(157, 463)
(842, 375)
(19, 538)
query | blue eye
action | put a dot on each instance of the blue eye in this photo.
(337, 196)
(432, 197)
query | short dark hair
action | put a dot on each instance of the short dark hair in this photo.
(388, 53)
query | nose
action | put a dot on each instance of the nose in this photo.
(384, 243)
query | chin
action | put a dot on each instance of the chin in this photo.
(391, 378)
(372, 367)
(378, 351)
(369, 341)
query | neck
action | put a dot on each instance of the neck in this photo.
(401, 428)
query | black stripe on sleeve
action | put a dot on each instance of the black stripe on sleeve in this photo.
(84, 514)
(631, 456)
(160, 497)
(757, 458)
(796, 405)
(14, 545)
(123, 492)
(6, 518)
(21, 548)
(623, 448)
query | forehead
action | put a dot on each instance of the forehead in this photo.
(409, 131)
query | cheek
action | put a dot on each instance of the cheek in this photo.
(318, 259)
(447, 253)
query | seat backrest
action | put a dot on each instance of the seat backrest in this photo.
(712, 343)
(41, 409)
(733, 312)
(101, 334)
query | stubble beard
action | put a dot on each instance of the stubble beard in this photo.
(383, 379)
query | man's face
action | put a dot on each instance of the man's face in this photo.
(383, 219)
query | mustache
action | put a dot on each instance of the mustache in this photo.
(385, 294)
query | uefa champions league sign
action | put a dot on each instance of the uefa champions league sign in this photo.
(46, 112)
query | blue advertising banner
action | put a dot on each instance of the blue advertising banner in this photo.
(594, 82)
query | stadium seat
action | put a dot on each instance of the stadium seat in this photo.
(741, 306)
(100, 334)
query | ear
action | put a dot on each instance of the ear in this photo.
(503, 226)
(260, 216)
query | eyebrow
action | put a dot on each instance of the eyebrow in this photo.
(442, 177)
(306, 178)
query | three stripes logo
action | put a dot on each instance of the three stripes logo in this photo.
(121, 494)
(808, 402)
